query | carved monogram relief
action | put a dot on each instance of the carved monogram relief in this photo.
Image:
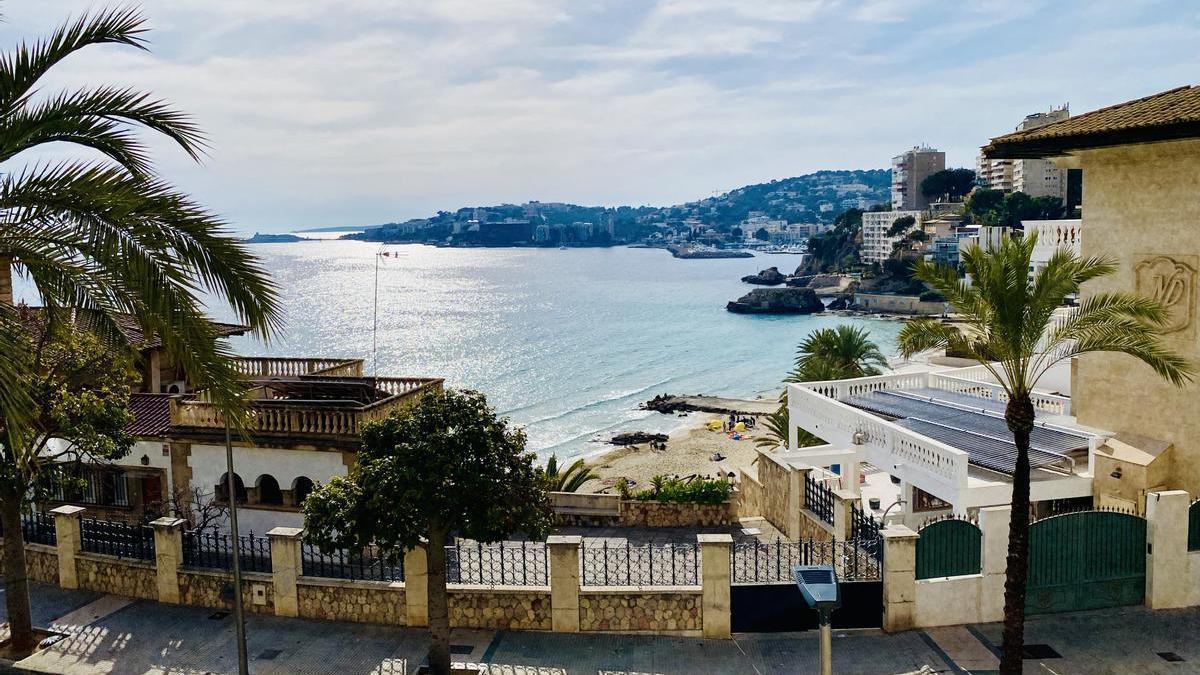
(1172, 282)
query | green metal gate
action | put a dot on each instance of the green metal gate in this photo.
(949, 548)
(1086, 560)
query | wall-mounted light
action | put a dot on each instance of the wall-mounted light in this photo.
(145, 460)
(1116, 473)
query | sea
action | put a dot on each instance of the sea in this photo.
(565, 343)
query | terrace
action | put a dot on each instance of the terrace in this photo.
(305, 397)
(942, 433)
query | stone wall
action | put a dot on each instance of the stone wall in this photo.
(812, 527)
(500, 608)
(119, 576)
(637, 610)
(358, 601)
(41, 562)
(671, 514)
(203, 589)
(749, 495)
(775, 481)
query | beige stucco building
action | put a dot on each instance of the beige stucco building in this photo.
(1140, 163)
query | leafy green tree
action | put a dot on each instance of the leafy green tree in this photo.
(761, 234)
(1048, 208)
(445, 465)
(952, 183)
(1011, 329)
(736, 232)
(106, 237)
(901, 225)
(570, 480)
(986, 206)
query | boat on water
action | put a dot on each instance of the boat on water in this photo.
(789, 250)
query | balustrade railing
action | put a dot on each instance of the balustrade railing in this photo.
(627, 564)
(988, 389)
(842, 389)
(282, 366)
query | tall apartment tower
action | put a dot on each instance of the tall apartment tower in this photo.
(908, 170)
(1034, 177)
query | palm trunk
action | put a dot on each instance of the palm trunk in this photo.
(1020, 416)
(16, 579)
(439, 615)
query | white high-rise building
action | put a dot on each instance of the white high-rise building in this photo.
(877, 245)
(1034, 177)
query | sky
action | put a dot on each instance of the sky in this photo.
(353, 112)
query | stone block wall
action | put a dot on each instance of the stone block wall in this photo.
(500, 608)
(41, 562)
(776, 484)
(671, 514)
(203, 589)
(641, 610)
(358, 601)
(812, 527)
(119, 576)
(749, 495)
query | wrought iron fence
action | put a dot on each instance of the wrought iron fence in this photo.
(1194, 526)
(864, 528)
(38, 528)
(214, 550)
(763, 562)
(505, 563)
(627, 564)
(367, 564)
(818, 498)
(112, 537)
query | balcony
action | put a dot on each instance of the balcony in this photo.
(261, 367)
(320, 405)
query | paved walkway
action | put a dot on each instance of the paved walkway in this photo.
(114, 635)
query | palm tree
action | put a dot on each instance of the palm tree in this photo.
(1011, 328)
(836, 353)
(108, 239)
(570, 480)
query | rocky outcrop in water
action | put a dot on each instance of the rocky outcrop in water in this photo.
(768, 277)
(787, 300)
(637, 438)
(839, 303)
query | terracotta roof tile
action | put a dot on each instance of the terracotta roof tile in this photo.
(1170, 115)
(151, 415)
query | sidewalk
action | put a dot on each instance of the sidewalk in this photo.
(114, 635)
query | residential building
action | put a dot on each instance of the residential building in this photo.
(1134, 154)
(1034, 177)
(877, 245)
(908, 170)
(1052, 235)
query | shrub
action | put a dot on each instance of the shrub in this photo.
(692, 490)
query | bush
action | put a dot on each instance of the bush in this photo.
(931, 296)
(693, 490)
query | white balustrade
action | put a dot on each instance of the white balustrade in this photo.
(1051, 403)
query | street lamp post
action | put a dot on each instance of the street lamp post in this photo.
(239, 614)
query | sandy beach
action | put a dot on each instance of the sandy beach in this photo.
(689, 451)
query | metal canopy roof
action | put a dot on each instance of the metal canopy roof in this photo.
(973, 425)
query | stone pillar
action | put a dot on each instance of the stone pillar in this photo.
(795, 502)
(899, 578)
(993, 523)
(416, 585)
(714, 583)
(1167, 578)
(168, 556)
(286, 568)
(852, 470)
(67, 530)
(843, 501)
(564, 583)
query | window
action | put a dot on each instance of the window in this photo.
(91, 484)
(268, 490)
(301, 488)
(239, 488)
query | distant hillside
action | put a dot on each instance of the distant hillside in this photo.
(812, 198)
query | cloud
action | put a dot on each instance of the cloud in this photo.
(325, 112)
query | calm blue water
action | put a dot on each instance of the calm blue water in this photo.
(564, 342)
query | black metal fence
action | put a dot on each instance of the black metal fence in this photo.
(505, 563)
(38, 528)
(626, 564)
(214, 550)
(864, 528)
(818, 498)
(367, 564)
(112, 537)
(763, 562)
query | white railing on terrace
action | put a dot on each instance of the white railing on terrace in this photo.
(935, 467)
(841, 389)
(1051, 403)
(276, 366)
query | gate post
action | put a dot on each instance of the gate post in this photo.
(899, 578)
(1167, 578)
(993, 523)
(564, 583)
(416, 585)
(287, 564)
(715, 583)
(68, 534)
(842, 518)
(168, 556)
